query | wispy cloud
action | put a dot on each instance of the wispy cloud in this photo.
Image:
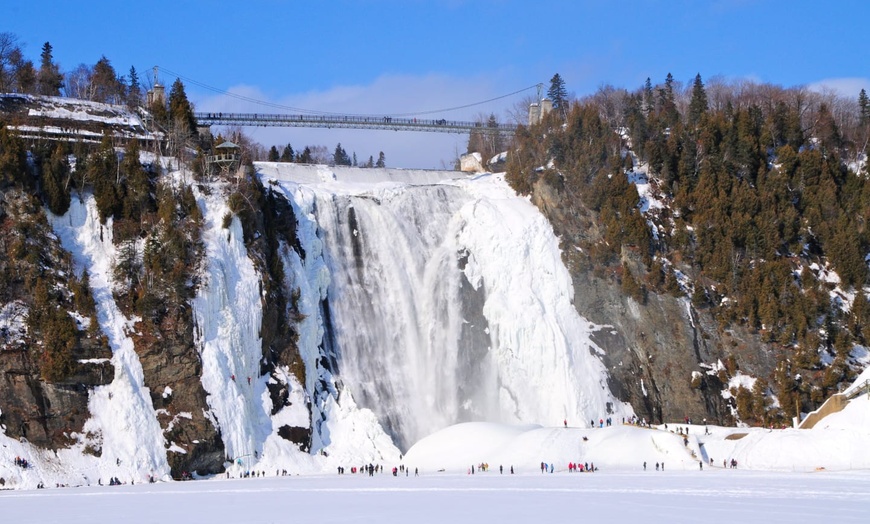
(848, 87)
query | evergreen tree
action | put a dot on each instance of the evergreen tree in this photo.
(106, 87)
(25, 77)
(558, 95)
(103, 171)
(13, 159)
(134, 90)
(649, 102)
(354, 159)
(698, 105)
(381, 160)
(180, 110)
(371, 162)
(306, 157)
(137, 185)
(55, 190)
(864, 107)
(273, 154)
(49, 79)
(340, 156)
(667, 102)
(287, 155)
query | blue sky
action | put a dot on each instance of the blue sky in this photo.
(394, 56)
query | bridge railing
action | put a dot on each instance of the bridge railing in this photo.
(350, 121)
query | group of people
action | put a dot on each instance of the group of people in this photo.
(371, 469)
(484, 466)
(406, 471)
(586, 467)
(634, 421)
(22, 462)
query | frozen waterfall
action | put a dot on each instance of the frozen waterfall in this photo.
(448, 301)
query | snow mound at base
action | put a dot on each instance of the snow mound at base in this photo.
(618, 447)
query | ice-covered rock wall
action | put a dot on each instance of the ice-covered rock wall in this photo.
(123, 425)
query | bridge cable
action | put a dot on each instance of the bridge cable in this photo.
(315, 112)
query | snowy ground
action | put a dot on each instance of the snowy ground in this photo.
(715, 495)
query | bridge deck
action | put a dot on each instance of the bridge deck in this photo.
(350, 122)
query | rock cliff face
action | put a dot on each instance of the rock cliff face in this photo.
(652, 347)
(172, 369)
(34, 273)
(48, 413)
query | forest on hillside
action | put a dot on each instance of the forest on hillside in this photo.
(764, 221)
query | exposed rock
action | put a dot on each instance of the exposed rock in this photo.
(47, 414)
(651, 348)
(172, 370)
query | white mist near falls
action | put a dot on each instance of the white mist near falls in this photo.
(447, 300)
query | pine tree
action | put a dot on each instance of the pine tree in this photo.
(106, 87)
(180, 110)
(134, 91)
(305, 157)
(138, 186)
(13, 159)
(49, 79)
(25, 77)
(558, 95)
(354, 159)
(864, 105)
(55, 191)
(102, 171)
(698, 105)
(381, 160)
(287, 155)
(648, 102)
(340, 156)
(667, 102)
(273, 154)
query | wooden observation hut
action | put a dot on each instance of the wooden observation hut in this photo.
(225, 159)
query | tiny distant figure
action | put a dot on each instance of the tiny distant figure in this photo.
(657, 466)
(233, 377)
(512, 470)
(644, 465)
(701, 464)
(472, 469)
(566, 423)
(416, 472)
(500, 469)
(663, 466)
(249, 381)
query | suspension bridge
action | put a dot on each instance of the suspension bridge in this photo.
(298, 117)
(352, 122)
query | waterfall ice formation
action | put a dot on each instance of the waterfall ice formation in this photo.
(447, 300)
